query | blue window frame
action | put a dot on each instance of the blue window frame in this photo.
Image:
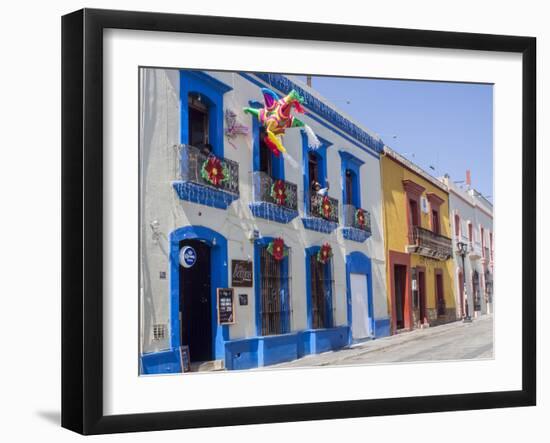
(328, 320)
(211, 92)
(351, 171)
(282, 325)
(320, 155)
(359, 263)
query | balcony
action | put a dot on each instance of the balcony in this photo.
(275, 200)
(206, 179)
(429, 244)
(322, 215)
(475, 251)
(357, 223)
(485, 257)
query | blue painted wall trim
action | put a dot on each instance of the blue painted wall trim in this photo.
(382, 327)
(355, 234)
(368, 143)
(211, 91)
(319, 224)
(163, 362)
(272, 211)
(255, 352)
(218, 279)
(315, 341)
(313, 250)
(203, 195)
(359, 263)
(285, 294)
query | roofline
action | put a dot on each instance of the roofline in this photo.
(398, 158)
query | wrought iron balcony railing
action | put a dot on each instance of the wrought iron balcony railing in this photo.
(475, 250)
(324, 207)
(206, 179)
(357, 218)
(277, 192)
(429, 244)
(208, 170)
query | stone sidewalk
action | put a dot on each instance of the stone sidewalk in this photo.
(452, 341)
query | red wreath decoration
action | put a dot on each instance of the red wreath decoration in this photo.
(324, 254)
(277, 249)
(360, 217)
(278, 192)
(326, 207)
(213, 171)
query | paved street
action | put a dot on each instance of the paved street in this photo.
(454, 341)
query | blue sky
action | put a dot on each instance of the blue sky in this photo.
(446, 126)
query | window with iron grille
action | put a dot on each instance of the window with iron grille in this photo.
(274, 293)
(321, 293)
(159, 331)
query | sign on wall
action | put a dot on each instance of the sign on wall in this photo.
(185, 359)
(424, 205)
(226, 306)
(188, 256)
(241, 273)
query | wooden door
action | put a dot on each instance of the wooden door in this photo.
(196, 303)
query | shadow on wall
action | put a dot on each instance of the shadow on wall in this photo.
(53, 417)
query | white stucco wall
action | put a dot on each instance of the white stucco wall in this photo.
(160, 132)
(471, 209)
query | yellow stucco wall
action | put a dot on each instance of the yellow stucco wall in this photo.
(396, 228)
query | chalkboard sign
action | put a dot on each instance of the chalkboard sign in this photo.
(226, 307)
(241, 273)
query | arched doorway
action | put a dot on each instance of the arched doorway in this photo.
(193, 309)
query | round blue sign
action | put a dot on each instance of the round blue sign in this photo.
(188, 256)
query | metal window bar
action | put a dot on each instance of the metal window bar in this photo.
(275, 294)
(440, 245)
(321, 293)
(191, 162)
(349, 212)
(316, 209)
(261, 191)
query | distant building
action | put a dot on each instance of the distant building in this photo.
(418, 245)
(472, 226)
(199, 234)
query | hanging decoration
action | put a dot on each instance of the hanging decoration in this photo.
(277, 249)
(233, 128)
(360, 219)
(278, 192)
(326, 207)
(324, 254)
(275, 117)
(213, 171)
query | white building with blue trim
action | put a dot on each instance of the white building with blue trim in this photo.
(192, 226)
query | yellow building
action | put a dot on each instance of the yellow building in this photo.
(419, 266)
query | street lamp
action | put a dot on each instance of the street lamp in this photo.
(462, 249)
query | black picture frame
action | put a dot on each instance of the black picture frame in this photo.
(82, 215)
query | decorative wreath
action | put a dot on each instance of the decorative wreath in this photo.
(360, 218)
(213, 171)
(278, 192)
(326, 207)
(324, 254)
(277, 249)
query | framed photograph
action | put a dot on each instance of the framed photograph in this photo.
(358, 185)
